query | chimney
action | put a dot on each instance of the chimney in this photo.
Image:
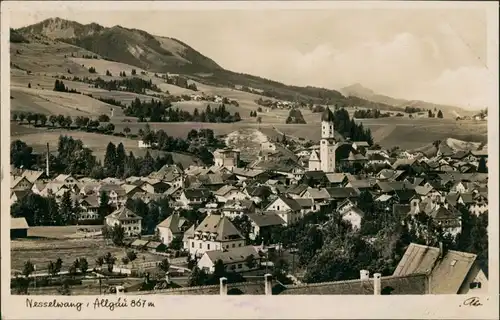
(364, 274)
(47, 170)
(441, 252)
(269, 284)
(376, 284)
(223, 286)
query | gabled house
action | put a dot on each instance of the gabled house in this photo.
(229, 192)
(89, 208)
(215, 232)
(116, 193)
(153, 186)
(236, 208)
(125, 217)
(234, 260)
(337, 179)
(170, 228)
(286, 207)
(354, 216)
(262, 225)
(21, 184)
(448, 271)
(448, 218)
(190, 197)
(391, 175)
(66, 179)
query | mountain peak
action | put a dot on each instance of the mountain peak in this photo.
(357, 89)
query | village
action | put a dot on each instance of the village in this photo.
(267, 227)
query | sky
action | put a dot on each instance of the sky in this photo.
(427, 54)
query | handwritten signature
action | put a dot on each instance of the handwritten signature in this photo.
(472, 302)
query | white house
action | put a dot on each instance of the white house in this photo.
(130, 222)
(229, 192)
(354, 216)
(170, 228)
(215, 232)
(20, 183)
(234, 259)
(89, 207)
(66, 179)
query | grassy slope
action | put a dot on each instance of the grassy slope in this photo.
(38, 137)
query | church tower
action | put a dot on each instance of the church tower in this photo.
(328, 143)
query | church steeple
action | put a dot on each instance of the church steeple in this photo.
(327, 127)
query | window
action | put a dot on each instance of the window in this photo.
(233, 245)
(239, 245)
(475, 285)
(200, 245)
(192, 244)
(208, 246)
(239, 265)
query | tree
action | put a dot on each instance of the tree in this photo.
(28, 268)
(58, 266)
(110, 260)
(29, 85)
(68, 121)
(51, 268)
(110, 160)
(131, 255)
(84, 265)
(53, 119)
(103, 118)
(176, 243)
(440, 114)
(164, 265)
(134, 72)
(250, 261)
(104, 207)
(66, 209)
(43, 119)
(197, 277)
(147, 165)
(482, 167)
(117, 235)
(21, 156)
(99, 261)
(126, 130)
(74, 267)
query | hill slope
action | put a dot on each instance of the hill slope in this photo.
(131, 46)
(359, 91)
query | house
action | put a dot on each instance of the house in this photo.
(234, 208)
(262, 224)
(115, 192)
(361, 185)
(353, 215)
(21, 184)
(130, 222)
(170, 228)
(449, 271)
(143, 145)
(215, 232)
(139, 244)
(448, 218)
(66, 179)
(337, 179)
(228, 158)
(244, 174)
(480, 205)
(89, 208)
(170, 174)
(297, 190)
(153, 185)
(18, 228)
(34, 175)
(229, 192)
(319, 196)
(190, 197)
(340, 194)
(155, 246)
(234, 259)
(391, 175)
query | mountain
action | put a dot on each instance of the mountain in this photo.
(359, 91)
(130, 46)
(162, 54)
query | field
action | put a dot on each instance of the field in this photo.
(56, 59)
(46, 244)
(38, 138)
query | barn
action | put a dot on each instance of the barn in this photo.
(18, 228)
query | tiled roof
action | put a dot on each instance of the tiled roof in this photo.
(222, 191)
(335, 177)
(233, 255)
(412, 284)
(174, 222)
(123, 214)
(294, 205)
(342, 193)
(221, 226)
(196, 193)
(446, 274)
(267, 219)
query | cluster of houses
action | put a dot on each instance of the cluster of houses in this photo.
(278, 188)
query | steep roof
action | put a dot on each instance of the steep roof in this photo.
(294, 205)
(221, 226)
(446, 274)
(174, 222)
(327, 115)
(342, 193)
(123, 214)
(267, 219)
